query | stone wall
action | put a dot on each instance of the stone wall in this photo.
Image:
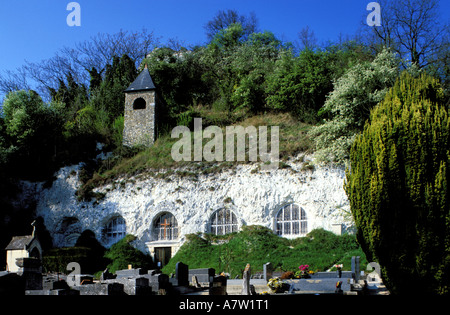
(139, 124)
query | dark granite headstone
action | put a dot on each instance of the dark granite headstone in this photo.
(181, 275)
(355, 268)
(133, 286)
(218, 286)
(31, 271)
(158, 282)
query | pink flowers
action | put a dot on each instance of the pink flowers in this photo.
(303, 267)
(303, 272)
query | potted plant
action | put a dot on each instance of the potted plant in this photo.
(304, 272)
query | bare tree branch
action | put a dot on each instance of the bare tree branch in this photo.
(412, 29)
(97, 52)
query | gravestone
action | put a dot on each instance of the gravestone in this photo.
(218, 286)
(106, 275)
(133, 286)
(81, 279)
(204, 276)
(55, 285)
(30, 270)
(195, 282)
(267, 271)
(130, 273)
(113, 288)
(246, 281)
(52, 292)
(355, 268)
(159, 282)
(181, 275)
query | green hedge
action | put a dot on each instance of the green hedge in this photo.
(90, 260)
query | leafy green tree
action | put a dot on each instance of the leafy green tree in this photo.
(19, 110)
(300, 84)
(33, 128)
(239, 66)
(72, 94)
(218, 60)
(88, 122)
(178, 78)
(223, 19)
(398, 187)
(95, 79)
(108, 96)
(253, 61)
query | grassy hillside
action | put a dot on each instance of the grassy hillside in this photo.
(157, 160)
(258, 245)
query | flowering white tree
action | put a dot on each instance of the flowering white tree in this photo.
(349, 105)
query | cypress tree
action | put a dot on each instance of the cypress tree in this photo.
(397, 185)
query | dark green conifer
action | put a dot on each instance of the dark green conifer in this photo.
(397, 185)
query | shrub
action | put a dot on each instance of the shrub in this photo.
(88, 252)
(398, 187)
(123, 254)
(300, 84)
(56, 260)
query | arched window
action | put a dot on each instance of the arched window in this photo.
(165, 227)
(139, 103)
(291, 221)
(68, 232)
(115, 230)
(223, 221)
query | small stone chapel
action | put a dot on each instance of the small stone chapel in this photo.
(141, 108)
(22, 247)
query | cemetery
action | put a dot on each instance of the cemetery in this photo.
(29, 280)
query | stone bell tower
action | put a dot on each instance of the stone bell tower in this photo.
(140, 111)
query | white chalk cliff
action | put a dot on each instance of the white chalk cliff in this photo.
(254, 196)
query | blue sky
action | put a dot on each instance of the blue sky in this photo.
(35, 29)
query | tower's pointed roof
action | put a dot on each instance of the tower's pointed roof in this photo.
(142, 83)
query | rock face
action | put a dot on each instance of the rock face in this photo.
(254, 196)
